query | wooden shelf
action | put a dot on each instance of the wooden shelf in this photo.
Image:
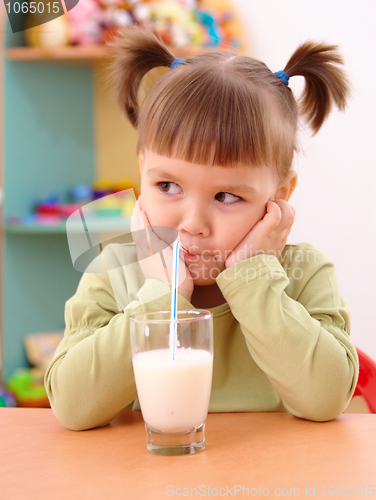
(96, 225)
(13, 228)
(80, 54)
(72, 53)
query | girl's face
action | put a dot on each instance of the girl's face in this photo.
(212, 208)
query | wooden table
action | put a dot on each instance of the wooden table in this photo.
(248, 455)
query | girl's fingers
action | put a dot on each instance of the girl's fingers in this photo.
(287, 215)
(140, 229)
(145, 218)
(149, 238)
(148, 230)
(273, 216)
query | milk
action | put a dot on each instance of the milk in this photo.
(173, 394)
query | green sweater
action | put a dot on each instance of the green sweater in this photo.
(281, 340)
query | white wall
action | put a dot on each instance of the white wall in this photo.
(335, 197)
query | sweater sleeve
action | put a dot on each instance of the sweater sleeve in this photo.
(90, 378)
(296, 326)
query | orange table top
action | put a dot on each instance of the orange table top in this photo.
(247, 455)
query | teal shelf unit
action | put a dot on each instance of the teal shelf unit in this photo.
(48, 147)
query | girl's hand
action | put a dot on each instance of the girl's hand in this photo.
(268, 236)
(155, 255)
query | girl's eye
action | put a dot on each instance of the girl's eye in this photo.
(169, 187)
(227, 198)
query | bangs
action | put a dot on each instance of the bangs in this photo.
(210, 116)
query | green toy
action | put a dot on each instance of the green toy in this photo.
(27, 386)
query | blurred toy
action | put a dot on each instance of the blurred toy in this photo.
(175, 23)
(120, 14)
(109, 33)
(209, 21)
(7, 399)
(47, 36)
(67, 209)
(180, 23)
(141, 12)
(40, 348)
(108, 206)
(40, 219)
(81, 193)
(127, 198)
(48, 206)
(114, 18)
(220, 24)
(27, 386)
(51, 211)
(119, 203)
(86, 22)
(122, 185)
(128, 205)
(102, 187)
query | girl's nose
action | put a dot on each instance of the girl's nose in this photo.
(194, 222)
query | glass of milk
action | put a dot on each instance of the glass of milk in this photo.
(173, 385)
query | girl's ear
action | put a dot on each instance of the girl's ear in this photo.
(141, 159)
(287, 187)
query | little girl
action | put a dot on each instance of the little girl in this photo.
(216, 139)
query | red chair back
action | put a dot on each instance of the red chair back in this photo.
(366, 386)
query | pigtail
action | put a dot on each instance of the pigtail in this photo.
(325, 81)
(134, 52)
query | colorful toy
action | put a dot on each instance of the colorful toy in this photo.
(52, 211)
(7, 399)
(86, 21)
(28, 388)
(108, 206)
(221, 27)
(174, 21)
(214, 36)
(128, 206)
(40, 219)
(81, 193)
(40, 348)
(67, 209)
(47, 36)
(180, 23)
(122, 185)
(120, 203)
(102, 187)
(119, 14)
(48, 206)
(114, 17)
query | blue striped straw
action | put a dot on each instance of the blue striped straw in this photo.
(174, 301)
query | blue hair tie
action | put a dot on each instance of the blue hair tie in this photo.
(177, 62)
(283, 76)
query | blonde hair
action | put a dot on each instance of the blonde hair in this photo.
(220, 108)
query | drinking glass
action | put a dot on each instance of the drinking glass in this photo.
(173, 387)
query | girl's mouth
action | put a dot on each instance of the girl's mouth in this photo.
(190, 256)
(186, 254)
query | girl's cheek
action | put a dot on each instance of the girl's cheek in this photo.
(160, 217)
